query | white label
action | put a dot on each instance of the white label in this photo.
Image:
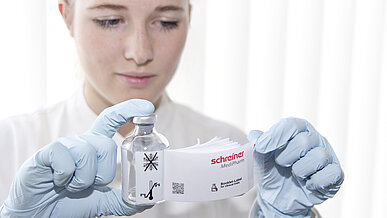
(149, 177)
(198, 176)
(216, 170)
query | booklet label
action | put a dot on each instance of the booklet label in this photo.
(214, 170)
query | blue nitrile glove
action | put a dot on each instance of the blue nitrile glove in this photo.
(296, 168)
(68, 177)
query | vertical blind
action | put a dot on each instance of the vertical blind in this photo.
(249, 63)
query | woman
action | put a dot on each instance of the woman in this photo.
(129, 50)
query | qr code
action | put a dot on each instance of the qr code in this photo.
(177, 188)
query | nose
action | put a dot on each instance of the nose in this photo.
(139, 47)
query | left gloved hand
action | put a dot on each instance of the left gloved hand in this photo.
(296, 169)
(69, 177)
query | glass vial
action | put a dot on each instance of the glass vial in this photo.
(141, 155)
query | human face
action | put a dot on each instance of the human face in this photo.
(128, 48)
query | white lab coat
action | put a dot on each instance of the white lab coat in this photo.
(21, 136)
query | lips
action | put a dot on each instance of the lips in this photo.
(136, 80)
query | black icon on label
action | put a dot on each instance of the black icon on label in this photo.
(149, 195)
(214, 188)
(151, 162)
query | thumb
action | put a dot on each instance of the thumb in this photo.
(112, 118)
(280, 134)
(254, 135)
(111, 203)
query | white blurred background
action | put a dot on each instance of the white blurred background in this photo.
(247, 62)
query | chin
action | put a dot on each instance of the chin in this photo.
(152, 98)
(151, 93)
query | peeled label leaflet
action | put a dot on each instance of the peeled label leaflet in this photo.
(215, 170)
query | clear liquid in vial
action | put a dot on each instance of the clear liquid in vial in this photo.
(144, 138)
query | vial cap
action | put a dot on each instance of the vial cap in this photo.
(145, 120)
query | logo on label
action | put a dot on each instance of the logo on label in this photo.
(151, 162)
(214, 188)
(149, 195)
(222, 159)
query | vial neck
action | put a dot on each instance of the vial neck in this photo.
(143, 129)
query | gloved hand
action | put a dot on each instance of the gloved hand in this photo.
(68, 177)
(296, 168)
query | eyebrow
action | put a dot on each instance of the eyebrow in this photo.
(109, 6)
(168, 8)
(122, 7)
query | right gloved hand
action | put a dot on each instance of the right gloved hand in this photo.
(296, 169)
(68, 177)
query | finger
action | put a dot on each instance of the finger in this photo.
(112, 118)
(58, 158)
(279, 134)
(85, 158)
(113, 204)
(96, 201)
(297, 148)
(313, 161)
(106, 150)
(326, 181)
(254, 135)
(328, 146)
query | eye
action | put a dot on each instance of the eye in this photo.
(108, 23)
(168, 25)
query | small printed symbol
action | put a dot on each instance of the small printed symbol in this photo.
(151, 162)
(177, 188)
(149, 195)
(214, 188)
